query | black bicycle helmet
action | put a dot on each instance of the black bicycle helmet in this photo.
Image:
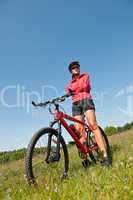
(73, 63)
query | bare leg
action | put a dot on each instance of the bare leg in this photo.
(91, 119)
(80, 129)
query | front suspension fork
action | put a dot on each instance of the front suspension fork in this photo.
(56, 155)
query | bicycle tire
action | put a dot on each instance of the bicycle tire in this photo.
(97, 158)
(30, 150)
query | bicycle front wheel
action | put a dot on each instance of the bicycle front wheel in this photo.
(39, 167)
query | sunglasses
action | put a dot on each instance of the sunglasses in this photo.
(75, 67)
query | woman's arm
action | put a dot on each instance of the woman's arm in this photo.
(85, 85)
(68, 89)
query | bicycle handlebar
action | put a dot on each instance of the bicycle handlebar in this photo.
(53, 101)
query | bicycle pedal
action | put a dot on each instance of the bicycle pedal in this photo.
(86, 163)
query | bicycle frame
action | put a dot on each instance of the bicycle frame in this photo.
(60, 117)
(54, 154)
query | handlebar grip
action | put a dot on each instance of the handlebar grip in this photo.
(33, 103)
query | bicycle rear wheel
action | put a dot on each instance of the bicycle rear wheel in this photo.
(39, 167)
(96, 155)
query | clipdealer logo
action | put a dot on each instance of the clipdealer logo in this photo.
(18, 96)
(127, 95)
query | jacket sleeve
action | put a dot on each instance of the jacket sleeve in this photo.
(87, 83)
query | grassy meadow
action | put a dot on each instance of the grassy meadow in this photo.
(94, 183)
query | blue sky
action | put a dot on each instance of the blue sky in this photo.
(38, 39)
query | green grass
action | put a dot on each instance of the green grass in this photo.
(96, 182)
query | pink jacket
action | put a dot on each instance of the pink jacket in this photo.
(80, 87)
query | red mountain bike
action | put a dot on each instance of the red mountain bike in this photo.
(48, 147)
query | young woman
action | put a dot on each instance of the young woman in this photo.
(83, 105)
